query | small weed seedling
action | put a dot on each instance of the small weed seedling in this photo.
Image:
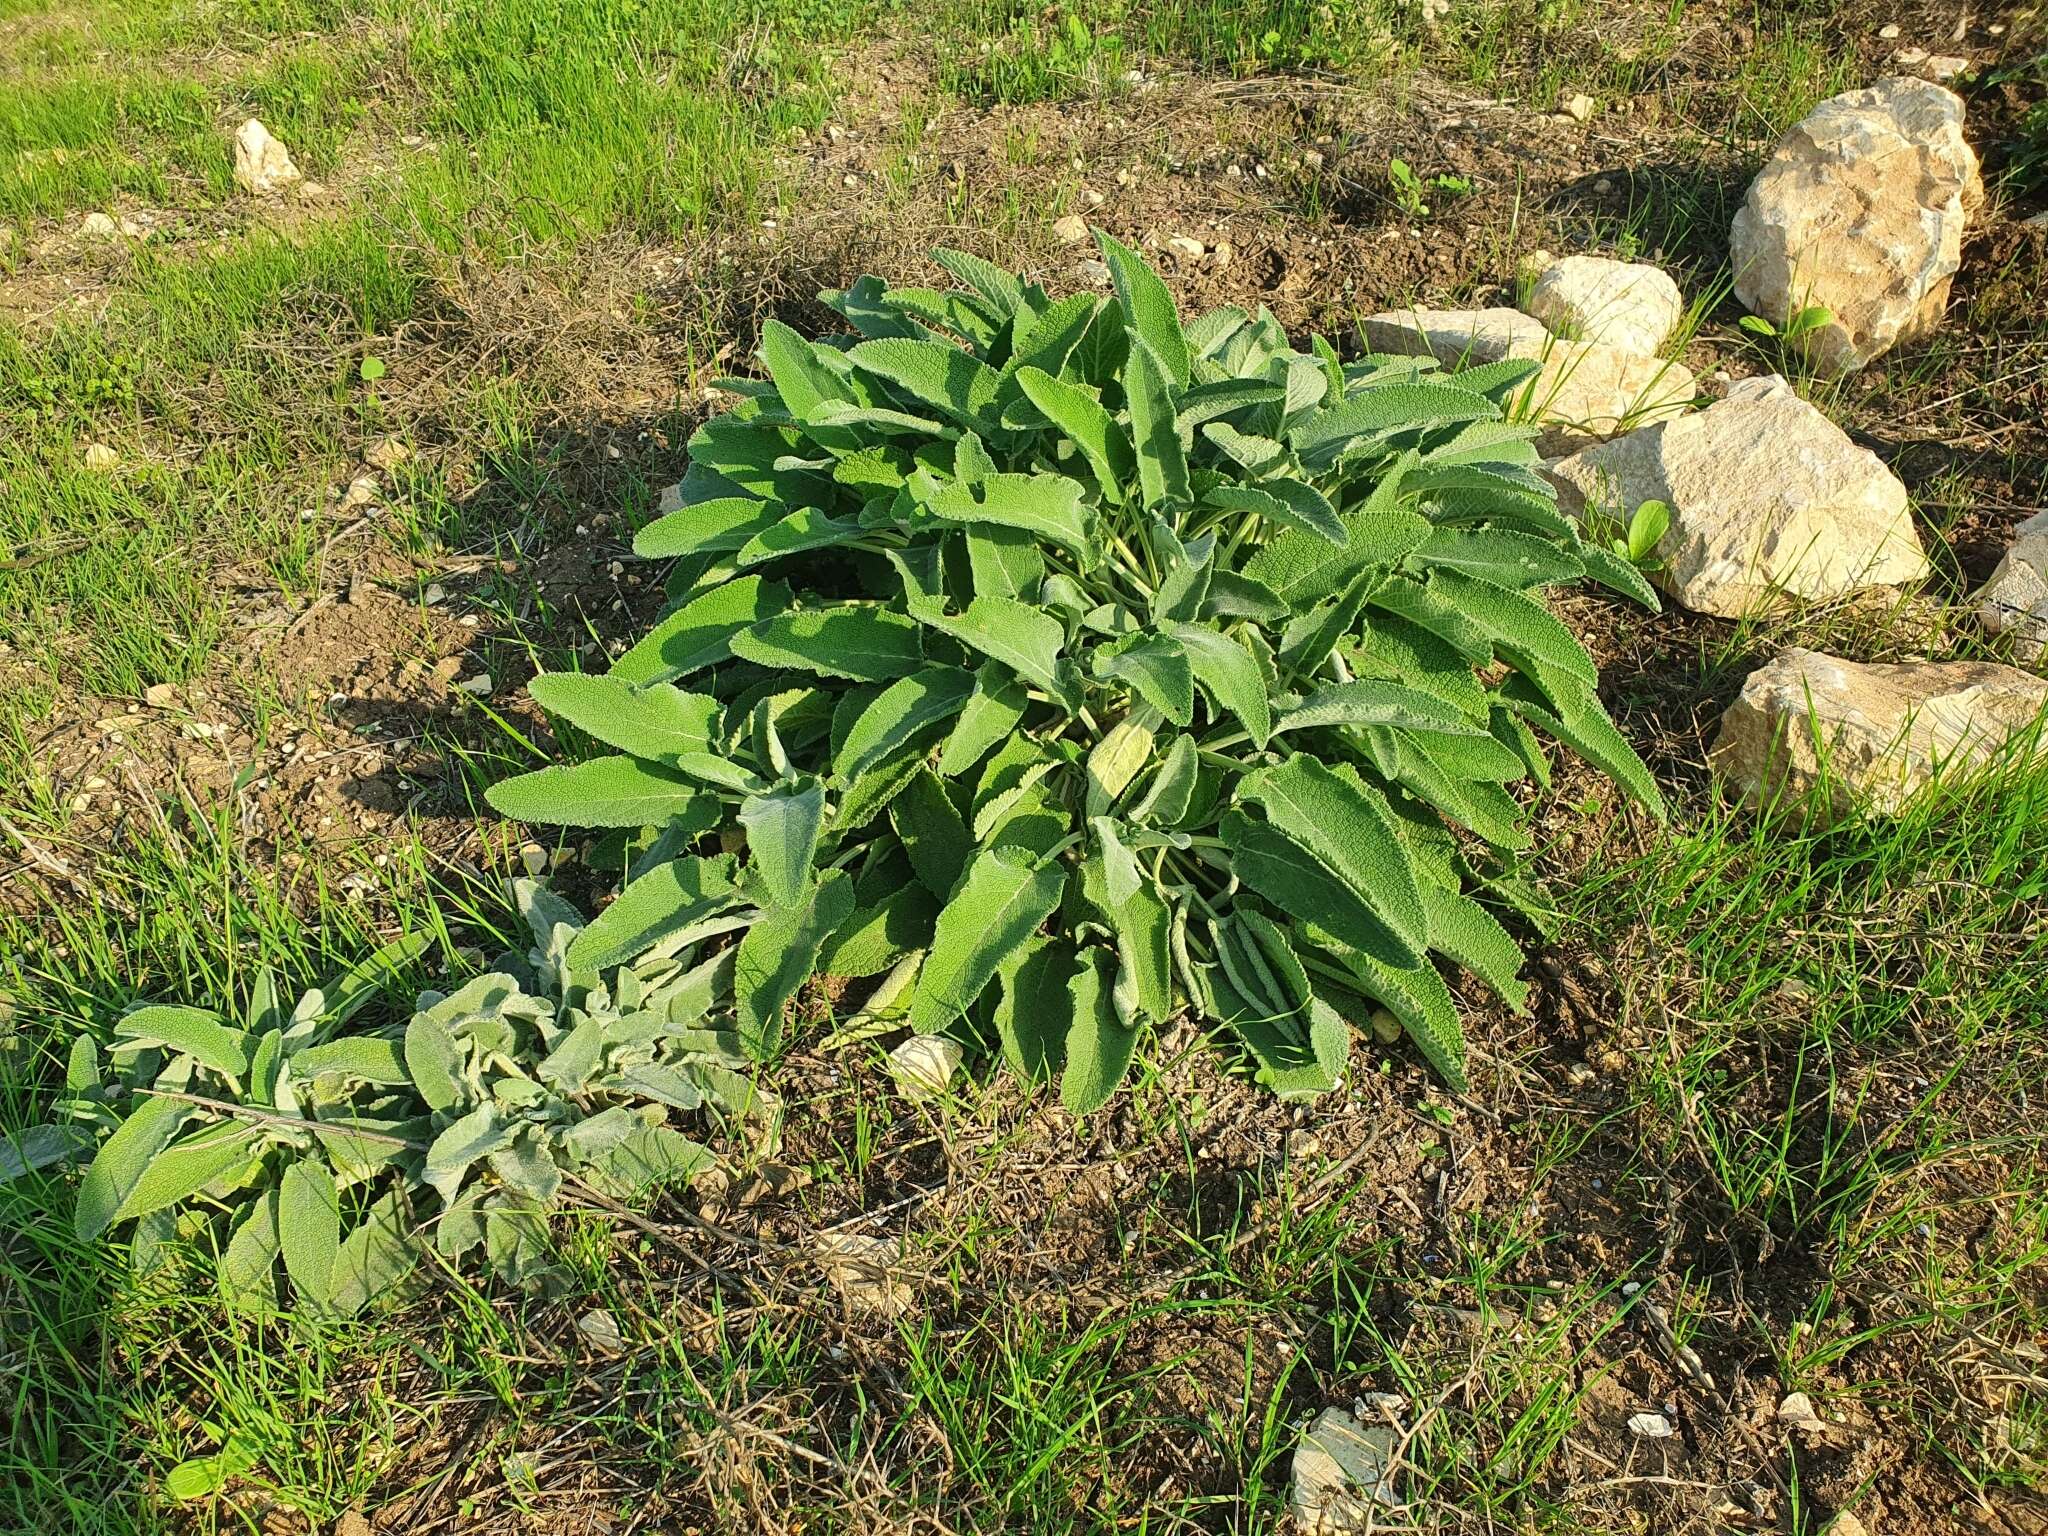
(1410, 189)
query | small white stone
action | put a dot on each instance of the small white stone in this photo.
(1071, 230)
(98, 226)
(1093, 271)
(1578, 108)
(1093, 198)
(1221, 255)
(1386, 1029)
(1651, 1426)
(1946, 66)
(1888, 31)
(361, 492)
(1187, 247)
(99, 458)
(601, 1330)
(1344, 1473)
(480, 685)
(262, 164)
(535, 858)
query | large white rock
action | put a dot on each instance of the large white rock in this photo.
(262, 164)
(1623, 304)
(1769, 501)
(1582, 392)
(1883, 731)
(1860, 209)
(2015, 600)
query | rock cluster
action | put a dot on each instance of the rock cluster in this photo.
(2014, 601)
(1583, 390)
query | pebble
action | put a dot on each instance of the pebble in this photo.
(480, 685)
(1093, 271)
(1578, 108)
(924, 1066)
(1651, 1426)
(1093, 198)
(1221, 255)
(1946, 66)
(535, 858)
(1386, 1029)
(1187, 247)
(360, 493)
(1888, 31)
(100, 458)
(1071, 230)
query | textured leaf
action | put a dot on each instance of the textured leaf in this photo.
(1036, 1008)
(1576, 718)
(1499, 555)
(193, 1032)
(456, 1150)
(1618, 575)
(185, 1167)
(1147, 306)
(998, 905)
(1116, 759)
(1099, 1045)
(667, 898)
(715, 526)
(1472, 936)
(40, 1146)
(932, 833)
(1046, 506)
(1417, 996)
(992, 714)
(1228, 674)
(248, 1270)
(1166, 798)
(1155, 427)
(909, 709)
(939, 374)
(876, 937)
(1156, 668)
(1025, 640)
(1348, 825)
(778, 955)
(1304, 568)
(699, 634)
(358, 1058)
(356, 988)
(1302, 507)
(999, 291)
(1384, 409)
(856, 640)
(1371, 702)
(122, 1160)
(1300, 884)
(804, 529)
(1006, 562)
(604, 792)
(656, 720)
(309, 1229)
(1522, 630)
(433, 1061)
(782, 830)
(1078, 414)
(374, 1260)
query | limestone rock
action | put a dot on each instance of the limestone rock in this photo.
(1341, 1470)
(1769, 501)
(1583, 391)
(262, 164)
(1071, 230)
(2015, 600)
(1861, 209)
(100, 458)
(865, 1271)
(1624, 304)
(1885, 730)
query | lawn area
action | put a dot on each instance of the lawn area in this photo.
(298, 492)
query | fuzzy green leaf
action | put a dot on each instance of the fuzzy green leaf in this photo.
(667, 898)
(309, 1229)
(1001, 899)
(858, 640)
(778, 955)
(782, 829)
(1046, 506)
(121, 1162)
(700, 633)
(1147, 306)
(1099, 1044)
(1228, 673)
(193, 1032)
(604, 792)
